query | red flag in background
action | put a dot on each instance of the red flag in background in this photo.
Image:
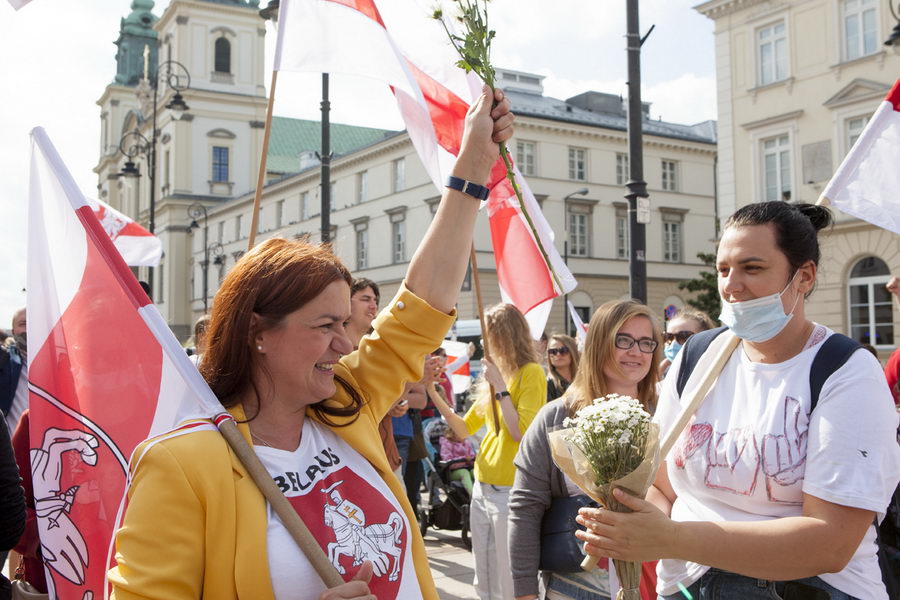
(104, 373)
(371, 38)
(138, 247)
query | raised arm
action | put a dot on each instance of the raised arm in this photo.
(456, 422)
(437, 269)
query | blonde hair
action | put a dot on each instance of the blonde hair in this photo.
(572, 346)
(599, 351)
(510, 343)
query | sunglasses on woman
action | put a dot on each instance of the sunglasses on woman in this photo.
(681, 336)
(560, 351)
(645, 345)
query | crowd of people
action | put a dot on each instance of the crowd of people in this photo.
(775, 489)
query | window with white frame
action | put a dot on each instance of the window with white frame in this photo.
(220, 232)
(776, 168)
(238, 226)
(279, 214)
(525, 157)
(672, 236)
(362, 186)
(622, 171)
(871, 308)
(622, 241)
(579, 229)
(399, 174)
(398, 233)
(669, 175)
(220, 163)
(362, 248)
(860, 28)
(854, 129)
(304, 206)
(772, 53)
(577, 164)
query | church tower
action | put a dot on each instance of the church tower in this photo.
(210, 53)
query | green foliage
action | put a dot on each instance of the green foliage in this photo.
(706, 287)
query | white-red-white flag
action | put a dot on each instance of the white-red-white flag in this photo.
(580, 327)
(104, 373)
(398, 44)
(867, 184)
(138, 247)
(461, 376)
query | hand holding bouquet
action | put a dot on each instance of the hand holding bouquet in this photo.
(610, 444)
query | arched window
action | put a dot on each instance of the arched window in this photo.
(223, 55)
(871, 310)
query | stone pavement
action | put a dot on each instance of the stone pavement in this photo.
(452, 566)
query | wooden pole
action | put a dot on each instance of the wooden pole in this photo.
(261, 177)
(484, 338)
(285, 511)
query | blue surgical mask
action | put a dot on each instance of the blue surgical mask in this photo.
(760, 319)
(672, 350)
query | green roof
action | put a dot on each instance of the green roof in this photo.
(290, 137)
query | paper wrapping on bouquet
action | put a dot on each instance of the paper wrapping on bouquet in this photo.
(572, 461)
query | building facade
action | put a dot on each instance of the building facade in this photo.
(573, 152)
(797, 82)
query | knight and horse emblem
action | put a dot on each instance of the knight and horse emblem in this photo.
(377, 543)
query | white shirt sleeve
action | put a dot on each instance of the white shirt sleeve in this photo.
(853, 458)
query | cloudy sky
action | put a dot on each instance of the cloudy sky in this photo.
(58, 55)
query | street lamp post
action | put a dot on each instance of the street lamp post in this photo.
(894, 40)
(176, 78)
(581, 192)
(195, 211)
(638, 203)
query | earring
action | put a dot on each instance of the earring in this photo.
(259, 348)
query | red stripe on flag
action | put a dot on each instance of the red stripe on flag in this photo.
(97, 235)
(894, 96)
(366, 7)
(446, 109)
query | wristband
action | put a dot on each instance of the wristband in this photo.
(499, 395)
(469, 188)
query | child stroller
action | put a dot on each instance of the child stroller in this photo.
(448, 501)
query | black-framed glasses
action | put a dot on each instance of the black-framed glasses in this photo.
(679, 336)
(645, 345)
(562, 351)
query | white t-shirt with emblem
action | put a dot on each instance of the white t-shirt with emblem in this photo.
(348, 508)
(752, 450)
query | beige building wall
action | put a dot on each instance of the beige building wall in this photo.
(803, 101)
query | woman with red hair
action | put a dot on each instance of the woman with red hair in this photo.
(279, 358)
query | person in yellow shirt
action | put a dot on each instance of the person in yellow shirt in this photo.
(520, 390)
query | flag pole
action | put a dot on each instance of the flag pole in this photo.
(261, 177)
(484, 338)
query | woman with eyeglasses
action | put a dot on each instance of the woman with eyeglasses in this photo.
(562, 358)
(685, 323)
(621, 356)
(766, 494)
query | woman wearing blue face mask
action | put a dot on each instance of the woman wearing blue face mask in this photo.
(762, 496)
(683, 324)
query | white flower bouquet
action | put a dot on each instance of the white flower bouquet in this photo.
(610, 444)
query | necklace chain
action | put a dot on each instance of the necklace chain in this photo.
(261, 439)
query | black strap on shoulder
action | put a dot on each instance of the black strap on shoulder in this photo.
(834, 352)
(692, 351)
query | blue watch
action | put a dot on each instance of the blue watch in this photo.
(459, 184)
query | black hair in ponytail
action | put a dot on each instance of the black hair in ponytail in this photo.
(796, 227)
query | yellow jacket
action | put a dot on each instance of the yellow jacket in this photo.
(195, 526)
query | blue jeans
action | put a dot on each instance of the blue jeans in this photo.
(722, 585)
(403, 442)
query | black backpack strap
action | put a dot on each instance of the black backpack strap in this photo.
(692, 351)
(834, 352)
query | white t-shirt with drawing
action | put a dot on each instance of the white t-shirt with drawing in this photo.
(752, 450)
(348, 509)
